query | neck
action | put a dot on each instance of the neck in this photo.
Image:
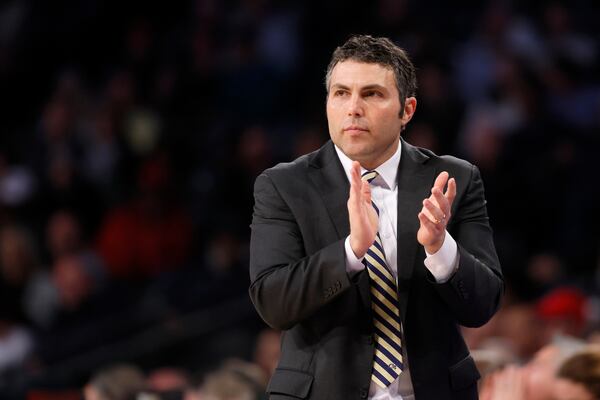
(373, 163)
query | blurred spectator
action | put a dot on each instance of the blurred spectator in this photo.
(75, 271)
(119, 95)
(18, 265)
(484, 138)
(224, 256)
(513, 332)
(149, 235)
(16, 342)
(119, 382)
(142, 131)
(489, 361)
(249, 372)
(77, 278)
(267, 350)
(278, 41)
(63, 234)
(579, 376)
(476, 59)
(520, 327)
(545, 271)
(57, 154)
(563, 311)
(539, 373)
(535, 380)
(17, 183)
(102, 150)
(506, 384)
(76, 317)
(167, 378)
(564, 37)
(227, 385)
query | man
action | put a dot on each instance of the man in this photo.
(369, 278)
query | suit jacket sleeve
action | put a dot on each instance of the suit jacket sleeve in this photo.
(287, 285)
(473, 293)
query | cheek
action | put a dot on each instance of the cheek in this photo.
(333, 108)
(334, 122)
(388, 121)
(333, 132)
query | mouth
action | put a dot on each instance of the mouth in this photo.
(355, 130)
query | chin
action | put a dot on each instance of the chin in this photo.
(355, 152)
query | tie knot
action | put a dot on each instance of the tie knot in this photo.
(370, 175)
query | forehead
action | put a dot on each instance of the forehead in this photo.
(352, 73)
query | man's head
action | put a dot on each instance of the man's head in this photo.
(382, 51)
(371, 85)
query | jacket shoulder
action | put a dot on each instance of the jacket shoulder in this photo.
(288, 169)
(298, 168)
(447, 161)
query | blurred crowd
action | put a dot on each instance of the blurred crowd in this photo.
(132, 133)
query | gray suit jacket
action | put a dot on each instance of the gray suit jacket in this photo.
(299, 282)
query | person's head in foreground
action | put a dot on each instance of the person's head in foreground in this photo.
(579, 376)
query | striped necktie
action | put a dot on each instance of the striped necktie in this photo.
(387, 363)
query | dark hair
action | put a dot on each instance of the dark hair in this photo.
(382, 51)
(584, 368)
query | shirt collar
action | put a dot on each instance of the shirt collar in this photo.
(388, 171)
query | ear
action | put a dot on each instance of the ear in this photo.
(410, 106)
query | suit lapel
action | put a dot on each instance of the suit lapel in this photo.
(415, 179)
(331, 183)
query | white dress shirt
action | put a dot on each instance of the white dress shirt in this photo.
(384, 193)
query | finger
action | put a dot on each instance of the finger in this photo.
(427, 223)
(451, 191)
(428, 214)
(440, 201)
(366, 192)
(439, 184)
(355, 189)
(437, 214)
(356, 182)
(441, 180)
(355, 171)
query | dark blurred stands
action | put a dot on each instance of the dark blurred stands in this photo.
(132, 133)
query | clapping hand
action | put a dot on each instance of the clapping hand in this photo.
(435, 213)
(364, 221)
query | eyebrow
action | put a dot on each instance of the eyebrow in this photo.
(367, 87)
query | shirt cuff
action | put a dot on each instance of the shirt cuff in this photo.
(353, 263)
(444, 262)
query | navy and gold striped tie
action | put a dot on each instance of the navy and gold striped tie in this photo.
(387, 363)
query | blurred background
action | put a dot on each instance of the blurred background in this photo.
(132, 132)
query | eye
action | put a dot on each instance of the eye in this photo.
(340, 93)
(372, 93)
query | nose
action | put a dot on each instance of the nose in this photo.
(355, 106)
